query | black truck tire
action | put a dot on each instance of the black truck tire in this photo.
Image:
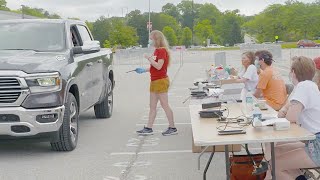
(68, 132)
(104, 108)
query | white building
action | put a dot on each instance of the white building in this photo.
(4, 15)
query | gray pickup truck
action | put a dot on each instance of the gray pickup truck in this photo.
(50, 71)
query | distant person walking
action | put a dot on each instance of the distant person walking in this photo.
(159, 84)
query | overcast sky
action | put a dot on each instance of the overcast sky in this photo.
(93, 9)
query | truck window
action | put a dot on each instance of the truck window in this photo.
(32, 35)
(74, 36)
(85, 36)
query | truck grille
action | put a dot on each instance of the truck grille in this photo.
(10, 90)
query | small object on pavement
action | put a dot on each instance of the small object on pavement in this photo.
(131, 71)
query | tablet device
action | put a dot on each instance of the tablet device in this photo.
(232, 132)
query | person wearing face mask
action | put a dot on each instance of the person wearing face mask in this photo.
(159, 84)
(304, 109)
(270, 84)
(248, 75)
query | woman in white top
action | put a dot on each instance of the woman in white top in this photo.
(303, 108)
(248, 75)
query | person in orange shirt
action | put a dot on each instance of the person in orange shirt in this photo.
(270, 85)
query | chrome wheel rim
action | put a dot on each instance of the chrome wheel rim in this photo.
(110, 97)
(73, 122)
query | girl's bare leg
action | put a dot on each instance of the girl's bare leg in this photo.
(153, 109)
(163, 97)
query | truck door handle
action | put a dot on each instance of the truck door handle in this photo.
(89, 64)
(99, 61)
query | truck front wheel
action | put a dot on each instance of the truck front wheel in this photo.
(68, 133)
(104, 109)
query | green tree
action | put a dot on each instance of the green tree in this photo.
(122, 34)
(171, 10)
(204, 30)
(38, 12)
(228, 29)
(189, 12)
(107, 44)
(167, 20)
(209, 12)
(101, 29)
(139, 22)
(170, 35)
(3, 5)
(186, 37)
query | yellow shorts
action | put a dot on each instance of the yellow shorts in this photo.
(160, 85)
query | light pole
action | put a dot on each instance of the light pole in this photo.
(149, 20)
(22, 12)
(192, 23)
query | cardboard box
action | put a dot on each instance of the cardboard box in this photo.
(220, 148)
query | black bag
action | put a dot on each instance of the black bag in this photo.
(242, 166)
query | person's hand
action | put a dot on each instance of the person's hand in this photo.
(282, 113)
(145, 55)
(140, 70)
(233, 72)
(148, 57)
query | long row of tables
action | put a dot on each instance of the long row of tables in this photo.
(205, 132)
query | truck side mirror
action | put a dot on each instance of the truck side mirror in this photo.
(90, 46)
(77, 50)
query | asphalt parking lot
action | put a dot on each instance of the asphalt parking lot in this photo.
(109, 149)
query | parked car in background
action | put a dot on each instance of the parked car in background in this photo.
(214, 46)
(307, 43)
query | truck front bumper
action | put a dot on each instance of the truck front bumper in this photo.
(21, 122)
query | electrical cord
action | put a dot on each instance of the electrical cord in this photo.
(224, 127)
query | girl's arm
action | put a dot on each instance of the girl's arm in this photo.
(158, 65)
(241, 80)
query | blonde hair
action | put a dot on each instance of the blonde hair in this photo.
(160, 41)
(303, 67)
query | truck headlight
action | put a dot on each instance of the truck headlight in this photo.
(44, 84)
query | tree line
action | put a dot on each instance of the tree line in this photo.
(190, 23)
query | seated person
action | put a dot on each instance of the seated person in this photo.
(303, 109)
(270, 85)
(249, 75)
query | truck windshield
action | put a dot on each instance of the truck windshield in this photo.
(32, 36)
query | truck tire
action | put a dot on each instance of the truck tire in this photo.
(68, 132)
(104, 109)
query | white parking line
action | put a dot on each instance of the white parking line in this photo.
(150, 152)
(165, 124)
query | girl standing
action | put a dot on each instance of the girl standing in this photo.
(159, 84)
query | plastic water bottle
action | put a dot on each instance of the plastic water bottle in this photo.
(249, 103)
(256, 113)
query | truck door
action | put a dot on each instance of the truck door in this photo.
(95, 68)
(82, 72)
